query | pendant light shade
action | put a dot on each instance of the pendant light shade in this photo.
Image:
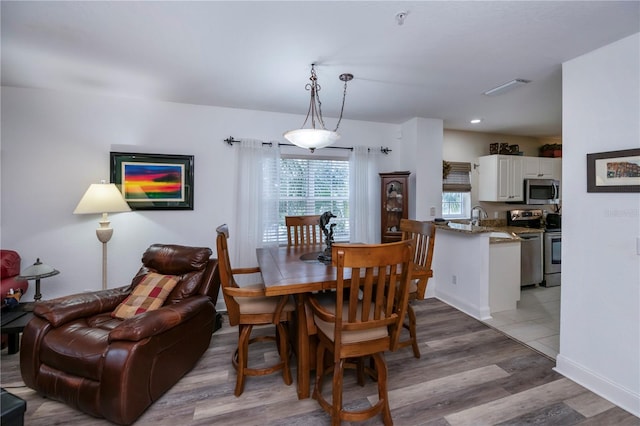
(317, 136)
(312, 138)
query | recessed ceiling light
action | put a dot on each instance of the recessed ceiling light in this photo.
(476, 121)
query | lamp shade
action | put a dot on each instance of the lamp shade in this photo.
(311, 138)
(38, 270)
(102, 198)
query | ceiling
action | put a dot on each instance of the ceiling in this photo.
(257, 55)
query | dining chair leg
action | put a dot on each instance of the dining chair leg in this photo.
(336, 402)
(412, 331)
(283, 349)
(317, 388)
(360, 370)
(381, 369)
(241, 357)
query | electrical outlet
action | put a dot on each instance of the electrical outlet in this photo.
(432, 211)
(454, 279)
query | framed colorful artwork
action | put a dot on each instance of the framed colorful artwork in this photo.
(154, 181)
(614, 171)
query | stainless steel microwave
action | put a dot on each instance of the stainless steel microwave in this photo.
(541, 191)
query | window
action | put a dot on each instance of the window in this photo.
(311, 186)
(456, 191)
(456, 205)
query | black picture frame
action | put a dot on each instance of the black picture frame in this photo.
(153, 181)
(614, 171)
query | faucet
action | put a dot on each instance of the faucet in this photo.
(482, 214)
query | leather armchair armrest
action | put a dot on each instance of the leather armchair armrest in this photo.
(64, 309)
(152, 323)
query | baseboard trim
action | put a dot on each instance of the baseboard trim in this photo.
(622, 397)
(478, 312)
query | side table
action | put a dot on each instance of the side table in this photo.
(13, 321)
(13, 409)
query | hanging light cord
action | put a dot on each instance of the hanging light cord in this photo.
(316, 113)
(345, 78)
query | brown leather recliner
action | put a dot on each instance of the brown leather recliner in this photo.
(74, 351)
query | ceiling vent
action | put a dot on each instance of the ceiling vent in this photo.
(506, 87)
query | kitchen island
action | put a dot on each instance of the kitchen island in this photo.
(477, 268)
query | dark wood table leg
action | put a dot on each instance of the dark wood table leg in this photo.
(13, 343)
(304, 369)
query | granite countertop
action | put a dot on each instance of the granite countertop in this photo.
(487, 226)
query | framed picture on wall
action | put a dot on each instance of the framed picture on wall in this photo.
(614, 171)
(154, 181)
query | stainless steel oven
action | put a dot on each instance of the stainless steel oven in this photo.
(552, 257)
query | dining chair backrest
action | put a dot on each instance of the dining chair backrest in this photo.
(377, 279)
(226, 274)
(423, 235)
(303, 230)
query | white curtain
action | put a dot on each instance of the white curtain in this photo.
(256, 201)
(362, 199)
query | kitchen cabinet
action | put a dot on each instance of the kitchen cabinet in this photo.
(539, 167)
(500, 178)
(395, 204)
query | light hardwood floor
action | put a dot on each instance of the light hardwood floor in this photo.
(469, 374)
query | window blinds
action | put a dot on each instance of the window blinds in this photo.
(458, 178)
(314, 186)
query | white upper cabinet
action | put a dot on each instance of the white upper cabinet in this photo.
(540, 167)
(500, 178)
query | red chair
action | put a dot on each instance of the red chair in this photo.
(9, 270)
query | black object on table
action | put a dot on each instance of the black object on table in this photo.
(13, 321)
(13, 409)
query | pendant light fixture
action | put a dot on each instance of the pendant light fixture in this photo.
(317, 136)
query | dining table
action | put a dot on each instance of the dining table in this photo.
(297, 271)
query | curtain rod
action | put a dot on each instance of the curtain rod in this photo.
(230, 140)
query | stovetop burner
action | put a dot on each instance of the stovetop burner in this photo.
(534, 219)
(525, 218)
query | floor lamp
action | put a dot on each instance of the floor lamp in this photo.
(102, 198)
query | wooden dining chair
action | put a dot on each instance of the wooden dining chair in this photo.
(303, 230)
(247, 307)
(364, 318)
(423, 235)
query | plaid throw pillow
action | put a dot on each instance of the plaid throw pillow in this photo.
(149, 295)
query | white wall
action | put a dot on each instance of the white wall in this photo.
(54, 144)
(422, 155)
(600, 314)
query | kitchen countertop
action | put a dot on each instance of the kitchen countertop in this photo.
(467, 228)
